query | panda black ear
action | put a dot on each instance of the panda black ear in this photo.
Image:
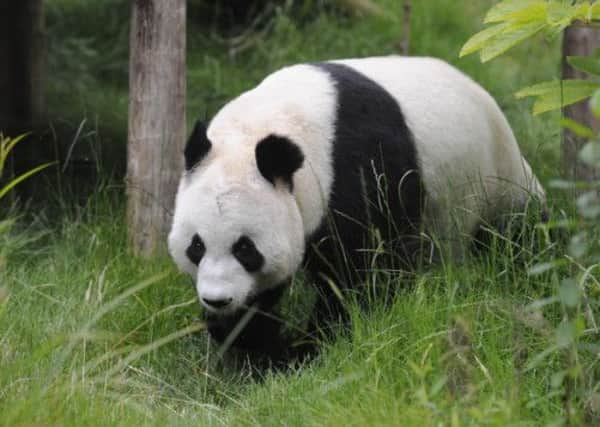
(197, 146)
(278, 158)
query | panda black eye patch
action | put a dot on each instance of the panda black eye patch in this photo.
(246, 253)
(196, 250)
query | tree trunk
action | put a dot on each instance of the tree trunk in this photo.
(578, 40)
(156, 119)
(22, 64)
(406, 30)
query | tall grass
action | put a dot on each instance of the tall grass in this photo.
(90, 335)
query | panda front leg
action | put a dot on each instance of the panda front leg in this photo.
(329, 315)
(330, 269)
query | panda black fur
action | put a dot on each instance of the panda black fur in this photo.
(300, 170)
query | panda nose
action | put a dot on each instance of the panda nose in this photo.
(217, 303)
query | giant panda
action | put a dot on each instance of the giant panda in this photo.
(305, 168)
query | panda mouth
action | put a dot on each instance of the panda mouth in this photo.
(250, 326)
(261, 302)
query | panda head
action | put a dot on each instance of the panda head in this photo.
(237, 229)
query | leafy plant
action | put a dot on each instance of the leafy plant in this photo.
(513, 21)
(576, 287)
(6, 146)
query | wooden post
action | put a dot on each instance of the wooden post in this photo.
(156, 133)
(406, 31)
(578, 40)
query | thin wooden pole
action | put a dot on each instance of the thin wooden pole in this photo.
(578, 40)
(156, 119)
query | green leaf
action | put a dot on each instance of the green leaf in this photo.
(577, 128)
(570, 95)
(595, 104)
(590, 154)
(562, 14)
(583, 12)
(569, 293)
(479, 40)
(587, 64)
(510, 37)
(538, 89)
(553, 95)
(594, 12)
(507, 10)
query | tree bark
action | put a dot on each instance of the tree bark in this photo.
(406, 31)
(156, 133)
(578, 40)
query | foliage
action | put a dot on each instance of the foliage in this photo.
(573, 274)
(6, 147)
(513, 21)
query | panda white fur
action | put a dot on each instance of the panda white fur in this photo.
(301, 169)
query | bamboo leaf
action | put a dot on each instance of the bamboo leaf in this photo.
(561, 14)
(507, 9)
(510, 37)
(587, 64)
(554, 95)
(572, 91)
(583, 12)
(536, 12)
(538, 89)
(594, 12)
(595, 105)
(478, 41)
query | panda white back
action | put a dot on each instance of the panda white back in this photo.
(467, 151)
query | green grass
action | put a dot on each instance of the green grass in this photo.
(451, 349)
